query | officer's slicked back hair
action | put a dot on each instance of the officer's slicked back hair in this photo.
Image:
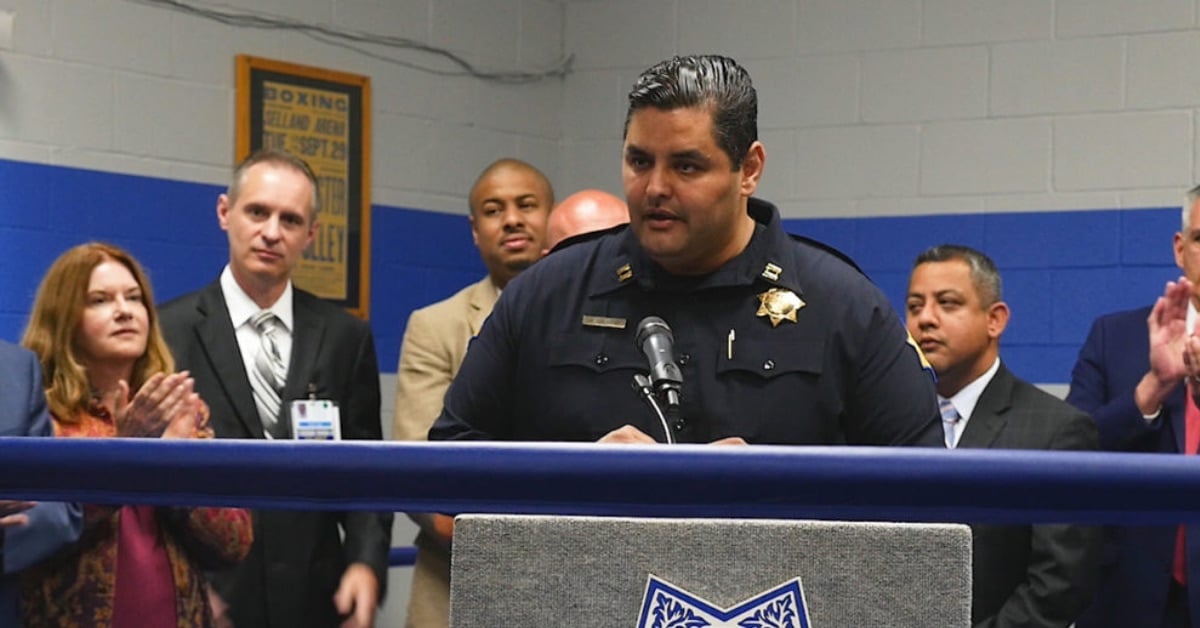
(711, 81)
(984, 273)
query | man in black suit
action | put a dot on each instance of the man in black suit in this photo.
(1024, 575)
(254, 342)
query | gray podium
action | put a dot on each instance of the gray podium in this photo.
(517, 571)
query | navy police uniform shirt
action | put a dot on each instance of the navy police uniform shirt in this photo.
(787, 344)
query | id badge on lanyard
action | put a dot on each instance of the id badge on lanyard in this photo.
(316, 419)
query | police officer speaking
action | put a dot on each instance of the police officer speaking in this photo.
(778, 340)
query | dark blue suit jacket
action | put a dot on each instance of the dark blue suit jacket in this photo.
(1136, 561)
(51, 524)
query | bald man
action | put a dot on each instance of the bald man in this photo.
(583, 212)
(509, 205)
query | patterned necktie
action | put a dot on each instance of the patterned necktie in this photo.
(950, 418)
(269, 372)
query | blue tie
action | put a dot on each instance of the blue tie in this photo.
(950, 418)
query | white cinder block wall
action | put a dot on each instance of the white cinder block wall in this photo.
(128, 86)
(868, 107)
(905, 107)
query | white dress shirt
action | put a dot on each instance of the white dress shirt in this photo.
(242, 308)
(965, 400)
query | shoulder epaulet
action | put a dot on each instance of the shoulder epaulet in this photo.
(828, 249)
(587, 237)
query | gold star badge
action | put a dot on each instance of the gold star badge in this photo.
(778, 305)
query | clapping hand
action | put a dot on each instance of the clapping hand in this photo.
(165, 406)
(1168, 329)
(1168, 336)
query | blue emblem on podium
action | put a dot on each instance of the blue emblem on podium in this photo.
(665, 605)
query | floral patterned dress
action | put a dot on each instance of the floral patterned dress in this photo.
(77, 586)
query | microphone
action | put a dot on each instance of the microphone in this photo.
(655, 340)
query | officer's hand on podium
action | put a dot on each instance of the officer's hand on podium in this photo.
(630, 435)
(627, 435)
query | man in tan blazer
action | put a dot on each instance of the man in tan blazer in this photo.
(510, 203)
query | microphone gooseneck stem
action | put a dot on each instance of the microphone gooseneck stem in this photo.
(642, 385)
(674, 417)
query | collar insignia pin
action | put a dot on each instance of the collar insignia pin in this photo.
(771, 272)
(625, 273)
(779, 305)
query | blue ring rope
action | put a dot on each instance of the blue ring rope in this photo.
(855, 483)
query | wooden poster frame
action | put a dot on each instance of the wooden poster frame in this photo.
(322, 116)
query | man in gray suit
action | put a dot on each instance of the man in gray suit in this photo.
(1024, 575)
(510, 202)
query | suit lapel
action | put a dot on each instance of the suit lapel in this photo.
(481, 301)
(988, 420)
(219, 342)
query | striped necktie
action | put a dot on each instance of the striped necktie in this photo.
(269, 372)
(950, 418)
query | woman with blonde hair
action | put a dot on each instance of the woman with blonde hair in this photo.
(108, 373)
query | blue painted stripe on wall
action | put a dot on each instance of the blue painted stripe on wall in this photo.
(417, 257)
(1061, 269)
